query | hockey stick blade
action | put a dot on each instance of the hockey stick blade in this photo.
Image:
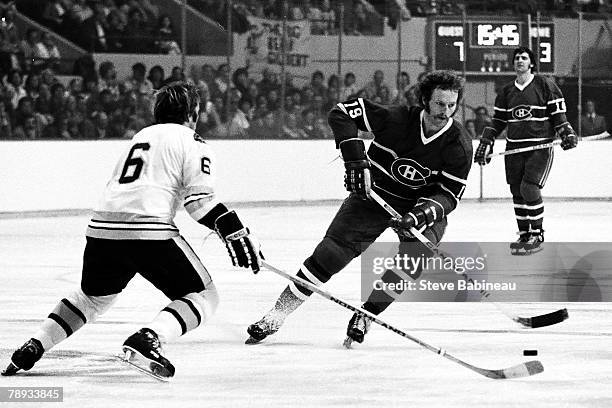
(531, 322)
(521, 370)
(518, 371)
(544, 320)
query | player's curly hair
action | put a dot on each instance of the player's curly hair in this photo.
(445, 80)
(176, 102)
(526, 50)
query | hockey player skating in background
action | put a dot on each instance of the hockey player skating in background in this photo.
(132, 231)
(532, 108)
(419, 162)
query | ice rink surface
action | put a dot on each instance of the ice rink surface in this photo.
(304, 364)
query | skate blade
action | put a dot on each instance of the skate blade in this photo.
(143, 370)
(11, 369)
(133, 356)
(348, 343)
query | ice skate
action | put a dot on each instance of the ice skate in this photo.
(534, 243)
(143, 351)
(358, 327)
(518, 247)
(24, 357)
(269, 324)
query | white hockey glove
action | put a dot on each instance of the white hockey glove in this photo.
(243, 248)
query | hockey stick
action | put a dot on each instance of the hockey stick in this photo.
(599, 136)
(520, 370)
(531, 322)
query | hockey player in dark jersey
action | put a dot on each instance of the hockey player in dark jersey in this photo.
(418, 161)
(532, 108)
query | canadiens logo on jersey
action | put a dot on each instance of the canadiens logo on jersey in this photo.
(410, 172)
(521, 112)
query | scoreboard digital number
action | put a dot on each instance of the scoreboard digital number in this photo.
(490, 46)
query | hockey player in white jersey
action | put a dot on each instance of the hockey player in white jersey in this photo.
(132, 231)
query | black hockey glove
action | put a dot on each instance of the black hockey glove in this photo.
(357, 177)
(424, 213)
(243, 248)
(569, 140)
(484, 149)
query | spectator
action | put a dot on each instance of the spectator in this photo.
(53, 15)
(28, 130)
(81, 11)
(156, 76)
(166, 42)
(328, 18)
(470, 127)
(482, 119)
(297, 101)
(116, 36)
(32, 86)
(349, 89)
(240, 79)
(265, 127)
(137, 33)
(101, 130)
(14, 88)
(94, 32)
(402, 83)
(209, 118)
(291, 129)
(378, 87)
(108, 79)
(32, 50)
(58, 99)
(176, 75)
(309, 125)
(49, 51)
(273, 103)
(317, 84)
(137, 81)
(221, 83)
(268, 81)
(592, 123)
(239, 125)
(208, 76)
(6, 127)
(361, 23)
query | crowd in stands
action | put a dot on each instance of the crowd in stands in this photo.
(35, 104)
(366, 17)
(107, 25)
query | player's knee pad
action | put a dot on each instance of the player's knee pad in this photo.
(530, 192)
(329, 257)
(72, 312)
(91, 306)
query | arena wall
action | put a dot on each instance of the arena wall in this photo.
(57, 175)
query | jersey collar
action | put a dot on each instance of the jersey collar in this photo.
(433, 137)
(525, 85)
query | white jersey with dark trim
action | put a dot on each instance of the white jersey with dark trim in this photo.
(165, 165)
(406, 162)
(532, 111)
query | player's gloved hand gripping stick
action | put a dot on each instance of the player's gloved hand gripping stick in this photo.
(410, 220)
(243, 248)
(357, 177)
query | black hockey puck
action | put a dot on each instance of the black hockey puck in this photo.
(530, 352)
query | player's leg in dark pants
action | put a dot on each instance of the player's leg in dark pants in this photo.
(379, 300)
(356, 225)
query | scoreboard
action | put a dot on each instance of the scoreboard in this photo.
(487, 47)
